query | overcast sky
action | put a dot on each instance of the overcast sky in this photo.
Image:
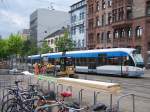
(14, 14)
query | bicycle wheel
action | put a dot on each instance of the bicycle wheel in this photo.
(6, 104)
(13, 108)
(6, 97)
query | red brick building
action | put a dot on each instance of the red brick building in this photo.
(119, 23)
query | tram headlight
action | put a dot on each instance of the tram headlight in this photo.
(70, 68)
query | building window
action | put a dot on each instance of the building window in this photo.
(109, 3)
(129, 12)
(73, 18)
(48, 42)
(91, 24)
(73, 30)
(97, 21)
(90, 39)
(103, 20)
(122, 33)
(148, 8)
(116, 34)
(52, 41)
(81, 15)
(91, 9)
(109, 18)
(81, 29)
(103, 4)
(79, 44)
(108, 37)
(120, 14)
(98, 38)
(139, 31)
(83, 43)
(114, 13)
(97, 6)
(102, 37)
(129, 32)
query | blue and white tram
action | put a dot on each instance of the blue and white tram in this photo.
(114, 61)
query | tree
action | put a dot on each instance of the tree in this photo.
(45, 48)
(15, 44)
(33, 49)
(4, 48)
(64, 43)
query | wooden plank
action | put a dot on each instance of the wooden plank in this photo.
(111, 88)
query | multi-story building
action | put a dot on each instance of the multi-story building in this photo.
(44, 21)
(121, 23)
(131, 19)
(52, 38)
(25, 34)
(78, 24)
(99, 32)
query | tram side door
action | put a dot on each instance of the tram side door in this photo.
(92, 65)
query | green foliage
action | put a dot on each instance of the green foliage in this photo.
(4, 48)
(64, 43)
(15, 44)
(28, 48)
(33, 49)
(45, 48)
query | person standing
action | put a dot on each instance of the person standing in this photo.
(36, 69)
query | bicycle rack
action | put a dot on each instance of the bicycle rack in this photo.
(49, 86)
(121, 97)
(81, 96)
(95, 97)
(69, 88)
(59, 85)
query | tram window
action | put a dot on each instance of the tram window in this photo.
(69, 61)
(91, 60)
(81, 62)
(84, 62)
(102, 59)
(131, 63)
(77, 61)
(114, 61)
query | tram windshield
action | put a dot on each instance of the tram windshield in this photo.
(138, 59)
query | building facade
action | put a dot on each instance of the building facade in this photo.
(78, 24)
(25, 34)
(52, 38)
(99, 32)
(119, 23)
(44, 21)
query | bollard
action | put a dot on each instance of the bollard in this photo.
(81, 96)
(120, 98)
(111, 101)
(49, 86)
